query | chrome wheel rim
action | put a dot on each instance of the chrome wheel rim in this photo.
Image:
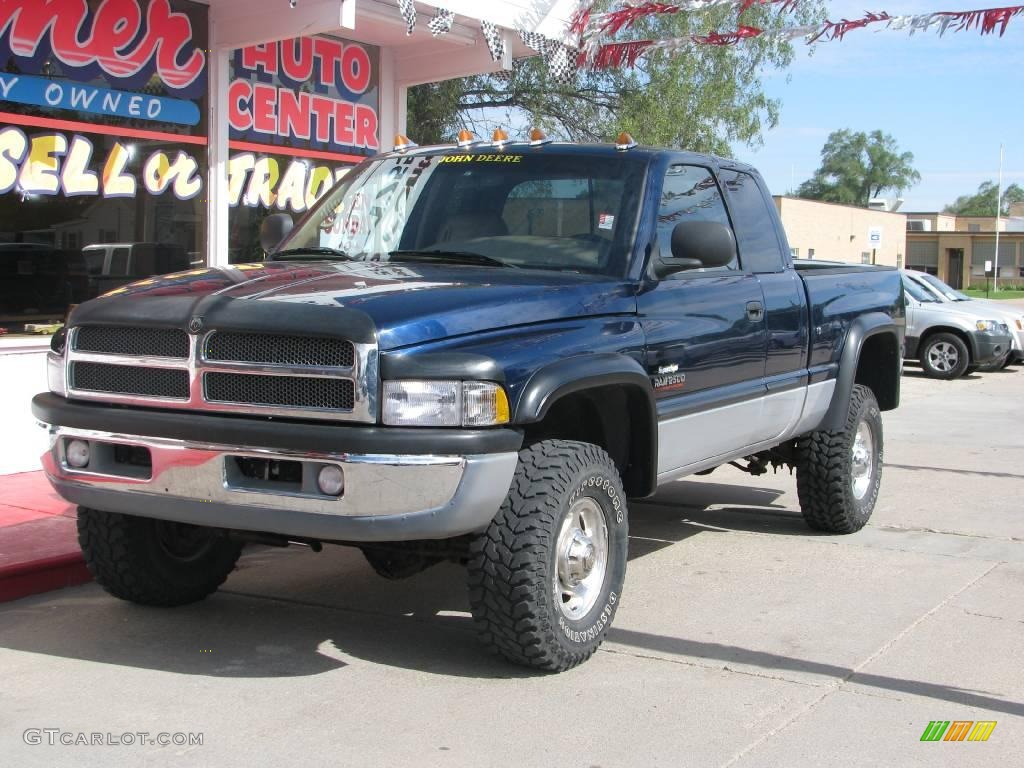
(581, 558)
(863, 459)
(943, 356)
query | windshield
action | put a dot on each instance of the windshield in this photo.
(530, 210)
(950, 293)
(919, 292)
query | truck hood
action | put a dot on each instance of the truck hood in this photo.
(407, 303)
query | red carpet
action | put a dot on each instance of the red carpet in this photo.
(38, 542)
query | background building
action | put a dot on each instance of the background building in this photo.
(955, 248)
(848, 233)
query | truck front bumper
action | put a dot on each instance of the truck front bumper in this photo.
(264, 487)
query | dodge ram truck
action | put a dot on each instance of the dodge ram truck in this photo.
(482, 353)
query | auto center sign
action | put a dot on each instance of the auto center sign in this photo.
(312, 92)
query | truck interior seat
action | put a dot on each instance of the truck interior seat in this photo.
(468, 226)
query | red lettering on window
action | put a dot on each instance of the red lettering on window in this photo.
(116, 24)
(328, 52)
(264, 102)
(297, 59)
(239, 112)
(323, 108)
(293, 116)
(343, 123)
(262, 56)
(355, 68)
(366, 127)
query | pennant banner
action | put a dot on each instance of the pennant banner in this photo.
(986, 21)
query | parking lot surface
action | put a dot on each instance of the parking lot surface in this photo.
(743, 638)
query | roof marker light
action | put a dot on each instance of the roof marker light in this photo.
(499, 138)
(403, 142)
(537, 137)
(624, 142)
(467, 139)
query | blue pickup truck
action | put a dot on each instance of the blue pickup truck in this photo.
(477, 353)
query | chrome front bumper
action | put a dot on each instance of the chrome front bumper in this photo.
(386, 497)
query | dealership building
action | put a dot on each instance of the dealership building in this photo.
(146, 136)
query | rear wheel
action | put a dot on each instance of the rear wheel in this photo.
(154, 562)
(838, 474)
(546, 577)
(944, 356)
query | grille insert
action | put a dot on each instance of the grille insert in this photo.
(278, 349)
(286, 391)
(135, 342)
(130, 380)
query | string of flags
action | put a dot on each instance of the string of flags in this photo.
(597, 50)
(593, 29)
(560, 59)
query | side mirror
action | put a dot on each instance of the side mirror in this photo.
(696, 245)
(274, 229)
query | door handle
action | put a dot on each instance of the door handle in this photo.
(755, 310)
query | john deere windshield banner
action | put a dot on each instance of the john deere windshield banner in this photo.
(135, 63)
(310, 93)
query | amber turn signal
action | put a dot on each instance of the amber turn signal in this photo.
(403, 142)
(537, 137)
(625, 141)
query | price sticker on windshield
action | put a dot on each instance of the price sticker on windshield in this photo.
(605, 221)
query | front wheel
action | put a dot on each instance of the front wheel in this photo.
(154, 562)
(945, 356)
(838, 474)
(545, 578)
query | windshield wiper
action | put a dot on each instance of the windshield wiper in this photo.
(315, 251)
(468, 257)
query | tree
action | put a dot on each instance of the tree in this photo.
(703, 100)
(983, 202)
(856, 167)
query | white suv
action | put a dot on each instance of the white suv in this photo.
(1012, 316)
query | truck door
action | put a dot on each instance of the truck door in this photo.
(706, 338)
(763, 251)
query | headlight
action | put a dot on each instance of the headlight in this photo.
(987, 325)
(444, 404)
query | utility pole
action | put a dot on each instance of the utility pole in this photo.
(999, 205)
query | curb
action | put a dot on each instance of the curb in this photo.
(31, 578)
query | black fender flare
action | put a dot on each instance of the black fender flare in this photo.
(589, 371)
(861, 329)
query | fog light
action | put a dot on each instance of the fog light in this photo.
(77, 453)
(331, 480)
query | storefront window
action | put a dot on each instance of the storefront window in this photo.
(301, 113)
(102, 151)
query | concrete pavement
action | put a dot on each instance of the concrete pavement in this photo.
(743, 639)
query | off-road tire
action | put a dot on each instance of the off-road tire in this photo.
(963, 356)
(825, 470)
(130, 558)
(513, 579)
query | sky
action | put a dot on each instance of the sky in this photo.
(950, 100)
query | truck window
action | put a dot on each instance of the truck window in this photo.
(119, 262)
(753, 222)
(94, 259)
(689, 194)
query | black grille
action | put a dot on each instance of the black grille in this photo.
(278, 349)
(130, 380)
(287, 391)
(137, 342)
